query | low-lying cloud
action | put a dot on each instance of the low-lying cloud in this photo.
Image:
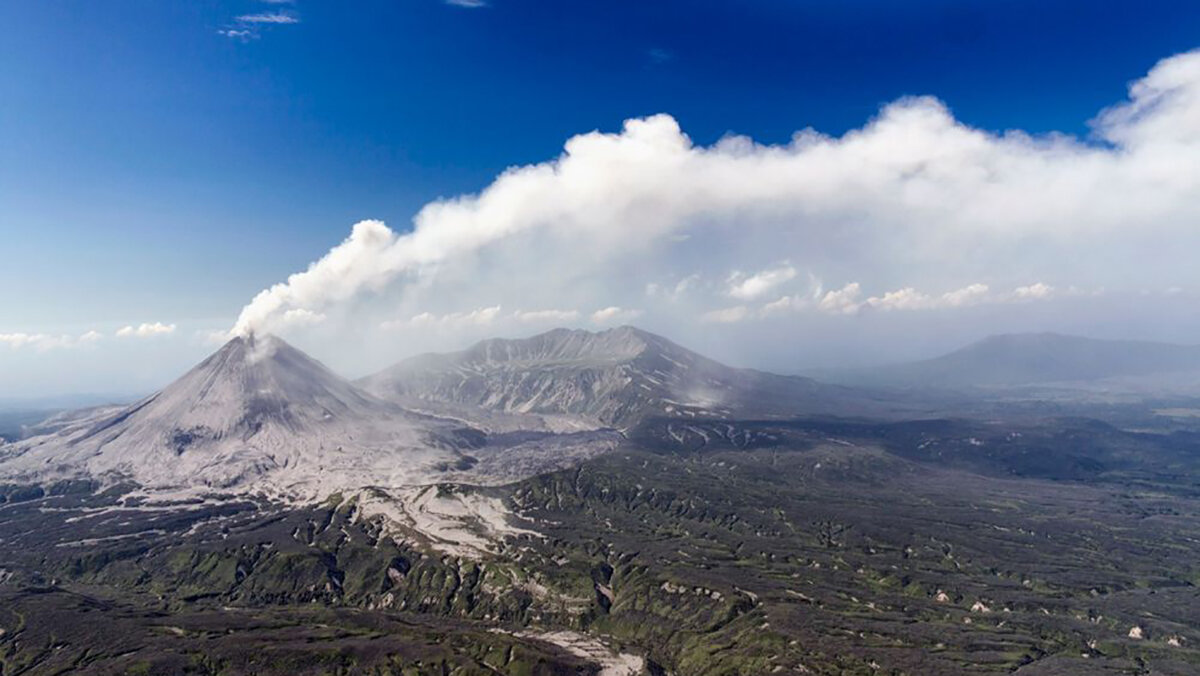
(847, 300)
(46, 341)
(43, 341)
(850, 300)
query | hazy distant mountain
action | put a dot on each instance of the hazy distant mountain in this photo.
(615, 377)
(64, 402)
(1028, 359)
(26, 416)
(256, 411)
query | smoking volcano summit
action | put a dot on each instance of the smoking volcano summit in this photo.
(256, 415)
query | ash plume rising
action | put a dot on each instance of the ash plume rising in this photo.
(912, 193)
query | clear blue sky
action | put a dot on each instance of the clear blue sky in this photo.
(152, 168)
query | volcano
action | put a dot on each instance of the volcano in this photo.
(257, 414)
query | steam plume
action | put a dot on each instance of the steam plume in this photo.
(913, 192)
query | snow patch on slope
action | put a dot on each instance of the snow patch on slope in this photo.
(611, 662)
(452, 519)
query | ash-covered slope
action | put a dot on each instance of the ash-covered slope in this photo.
(616, 377)
(256, 413)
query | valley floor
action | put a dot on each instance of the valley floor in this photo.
(821, 552)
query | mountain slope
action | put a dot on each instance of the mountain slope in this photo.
(1027, 359)
(616, 377)
(257, 412)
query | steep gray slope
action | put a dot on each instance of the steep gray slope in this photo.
(1028, 359)
(616, 377)
(256, 413)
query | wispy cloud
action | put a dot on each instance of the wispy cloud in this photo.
(478, 317)
(1037, 291)
(471, 4)
(147, 330)
(748, 287)
(546, 315)
(213, 337)
(673, 292)
(846, 300)
(238, 33)
(269, 18)
(248, 26)
(614, 314)
(849, 300)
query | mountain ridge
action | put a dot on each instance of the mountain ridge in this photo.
(1017, 359)
(617, 377)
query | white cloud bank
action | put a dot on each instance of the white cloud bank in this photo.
(912, 200)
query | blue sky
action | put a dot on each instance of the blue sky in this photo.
(153, 169)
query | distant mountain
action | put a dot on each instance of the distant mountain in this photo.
(38, 423)
(256, 412)
(1028, 359)
(65, 401)
(616, 378)
(21, 417)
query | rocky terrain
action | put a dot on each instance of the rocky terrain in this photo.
(580, 503)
